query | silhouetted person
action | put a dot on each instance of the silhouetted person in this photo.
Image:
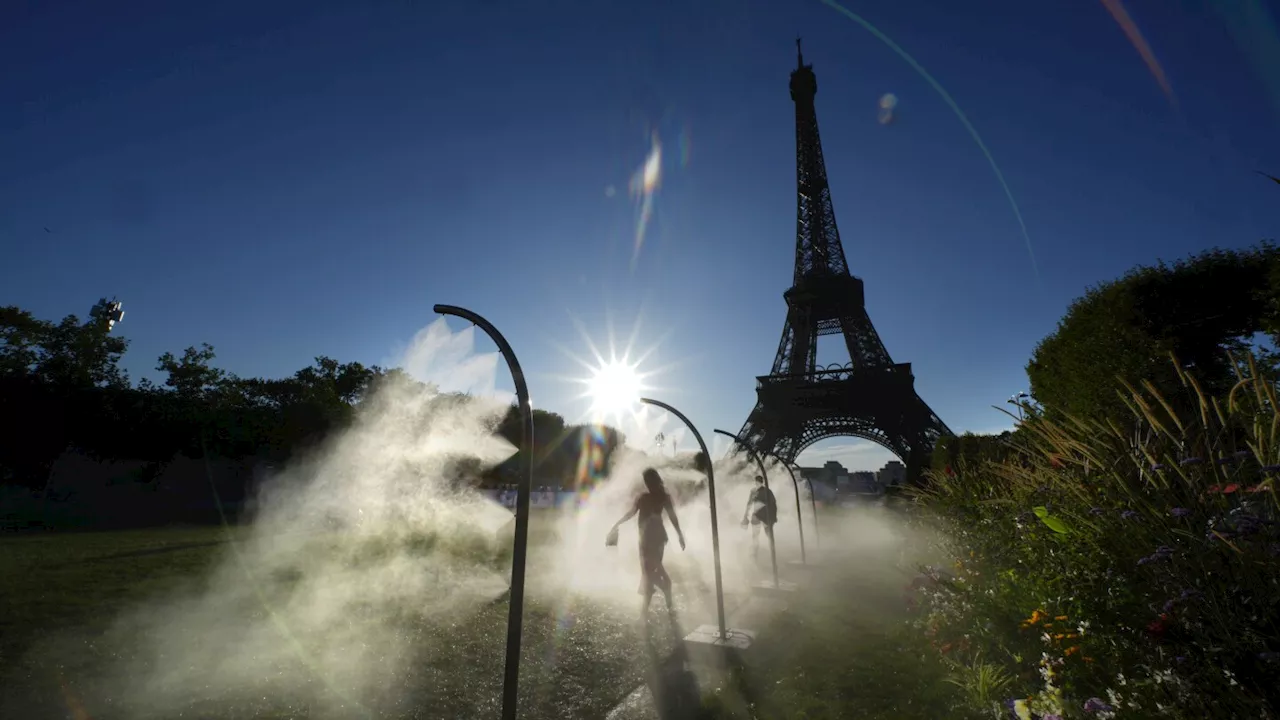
(653, 537)
(761, 512)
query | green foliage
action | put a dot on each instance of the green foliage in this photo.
(61, 388)
(70, 353)
(984, 684)
(1053, 522)
(192, 376)
(953, 452)
(1137, 568)
(1193, 309)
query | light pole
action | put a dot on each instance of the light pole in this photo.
(773, 551)
(711, 494)
(515, 614)
(813, 504)
(799, 520)
(112, 314)
(1016, 401)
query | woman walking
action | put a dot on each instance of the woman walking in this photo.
(653, 536)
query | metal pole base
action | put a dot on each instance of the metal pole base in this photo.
(706, 647)
(766, 588)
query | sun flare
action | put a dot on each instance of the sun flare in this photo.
(612, 379)
(614, 389)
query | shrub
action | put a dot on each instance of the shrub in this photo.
(952, 451)
(1120, 571)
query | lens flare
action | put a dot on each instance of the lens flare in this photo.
(614, 388)
(955, 108)
(1139, 42)
(888, 104)
(644, 186)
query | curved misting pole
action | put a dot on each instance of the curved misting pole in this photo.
(795, 484)
(711, 493)
(515, 614)
(813, 502)
(773, 549)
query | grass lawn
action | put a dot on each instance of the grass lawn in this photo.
(56, 580)
(842, 650)
(59, 642)
(841, 647)
(839, 650)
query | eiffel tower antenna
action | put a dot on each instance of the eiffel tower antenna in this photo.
(871, 397)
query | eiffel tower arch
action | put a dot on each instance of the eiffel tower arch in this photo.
(871, 397)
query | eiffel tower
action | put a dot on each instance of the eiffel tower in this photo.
(871, 397)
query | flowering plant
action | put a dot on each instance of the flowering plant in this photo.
(1119, 572)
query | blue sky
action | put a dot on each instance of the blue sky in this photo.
(289, 179)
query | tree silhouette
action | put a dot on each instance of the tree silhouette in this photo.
(62, 389)
(1198, 310)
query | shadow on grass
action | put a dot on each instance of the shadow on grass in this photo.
(845, 648)
(673, 686)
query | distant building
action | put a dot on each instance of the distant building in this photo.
(827, 480)
(863, 482)
(893, 473)
(832, 478)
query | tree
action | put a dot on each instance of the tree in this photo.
(69, 354)
(61, 388)
(1198, 310)
(83, 355)
(346, 383)
(954, 452)
(192, 376)
(21, 337)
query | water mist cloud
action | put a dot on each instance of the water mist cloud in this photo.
(351, 553)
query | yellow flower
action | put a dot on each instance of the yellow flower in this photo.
(1021, 710)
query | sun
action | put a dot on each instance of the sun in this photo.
(612, 382)
(614, 389)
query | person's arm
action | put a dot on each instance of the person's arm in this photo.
(675, 521)
(747, 510)
(630, 514)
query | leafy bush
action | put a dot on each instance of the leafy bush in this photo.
(953, 451)
(1118, 571)
(1195, 308)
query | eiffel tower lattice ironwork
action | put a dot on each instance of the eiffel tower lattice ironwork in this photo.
(872, 397)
